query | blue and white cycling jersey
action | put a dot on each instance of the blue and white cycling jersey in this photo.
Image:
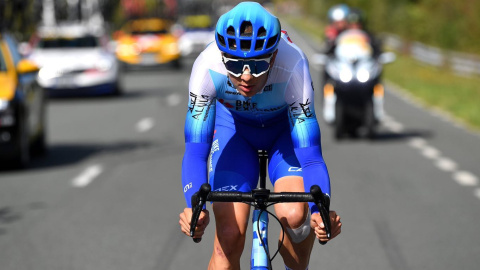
(281, 119)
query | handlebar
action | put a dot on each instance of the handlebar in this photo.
(260, 197)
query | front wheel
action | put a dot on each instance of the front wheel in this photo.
(339, 121)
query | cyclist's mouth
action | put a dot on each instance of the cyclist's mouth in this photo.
(246, 88)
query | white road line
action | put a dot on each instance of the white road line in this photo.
(145, 125)
(446, 164)
(417, 143)
(430, 152)
(393, 125)
(87, 176)
(465, 178)
(174, 100)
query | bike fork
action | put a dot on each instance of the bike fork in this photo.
(260, 260)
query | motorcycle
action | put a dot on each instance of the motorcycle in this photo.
(353, 95)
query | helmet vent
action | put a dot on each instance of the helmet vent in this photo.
(232, 45)
(246, 29)
(221, 39)
(231, 31)
(245, 45)
(259, 44)
(271, 41)
(262, 32)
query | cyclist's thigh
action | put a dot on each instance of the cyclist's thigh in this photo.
(283, 161)
(233, 162)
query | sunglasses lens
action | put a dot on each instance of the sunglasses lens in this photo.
(235, 67)
(259, 66)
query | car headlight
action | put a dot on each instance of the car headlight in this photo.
(363, 75)
(104, 64)
(46, 73)
(129, 49)
(172, 48)
(3, 105)
(7, 115)
(346, 75)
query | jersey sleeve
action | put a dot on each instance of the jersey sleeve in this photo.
(199, 126)
(305, 130)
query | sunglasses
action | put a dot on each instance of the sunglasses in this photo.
(257, 67)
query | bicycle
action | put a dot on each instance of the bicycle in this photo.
(261, 198)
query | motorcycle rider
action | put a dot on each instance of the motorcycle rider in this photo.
(356, 20)
(337, 19)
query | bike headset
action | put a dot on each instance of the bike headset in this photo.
(338, 13)
(241, 48)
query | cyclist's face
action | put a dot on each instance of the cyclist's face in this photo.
(247, 84)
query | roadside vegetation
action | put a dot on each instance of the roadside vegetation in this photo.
(436, 88)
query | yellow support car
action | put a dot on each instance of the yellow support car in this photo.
(147, 42)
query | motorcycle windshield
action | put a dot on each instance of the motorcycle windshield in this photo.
(352, 46)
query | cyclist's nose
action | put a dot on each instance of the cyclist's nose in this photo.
(246, 75)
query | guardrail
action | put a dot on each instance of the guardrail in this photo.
(460, 63)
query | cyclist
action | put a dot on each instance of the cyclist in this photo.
(253, 91)
(337, 19)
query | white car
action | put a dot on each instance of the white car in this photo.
(196, 32)
(192, 42)
(75, 62)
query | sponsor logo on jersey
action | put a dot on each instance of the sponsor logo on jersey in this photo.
(226, 104)
(245, 105)
(199, 105)
(187, 187)
(228, 188)
(295, 169)
(268, 88)
(302, 111)
(215, 147)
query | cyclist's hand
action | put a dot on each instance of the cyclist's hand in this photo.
(317, 225)
(186, 218)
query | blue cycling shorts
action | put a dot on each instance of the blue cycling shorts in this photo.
(233, 163)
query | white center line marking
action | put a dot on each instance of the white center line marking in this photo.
(446, 164)
(394, 126)
(87, 176)
(430, 152)
(145, 125)
(465, 178)
(417, 142)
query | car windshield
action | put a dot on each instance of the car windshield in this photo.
(149, 32)
(81, 42)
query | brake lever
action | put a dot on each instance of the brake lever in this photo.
(198, 201)
(323, 203)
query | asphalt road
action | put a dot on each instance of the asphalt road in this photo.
(108, 194)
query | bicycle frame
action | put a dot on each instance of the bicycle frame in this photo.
(259, 198)
(260, 257)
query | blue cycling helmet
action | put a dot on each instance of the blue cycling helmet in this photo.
(233, 35)
(338, 13)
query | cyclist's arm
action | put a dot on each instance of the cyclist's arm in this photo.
(199, 125)
(305, 130)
